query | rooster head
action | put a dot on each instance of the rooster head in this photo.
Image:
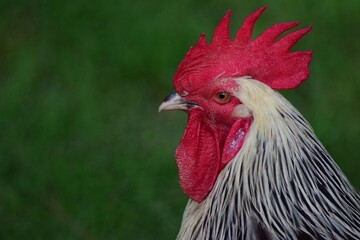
(205, 83)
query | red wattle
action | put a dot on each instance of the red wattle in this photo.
(201, 156)
(198, 158)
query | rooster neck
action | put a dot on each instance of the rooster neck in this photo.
(282, 182)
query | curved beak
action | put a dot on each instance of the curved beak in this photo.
(175, 102)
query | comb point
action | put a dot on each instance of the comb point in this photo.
(221, 32)
(201, 42)
(243, 35)
(288, 41)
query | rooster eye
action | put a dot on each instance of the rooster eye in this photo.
(222, 97)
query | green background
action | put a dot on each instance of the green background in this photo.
(84, 153)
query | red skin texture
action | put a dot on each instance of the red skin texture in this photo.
(211, 139)
(265, 58)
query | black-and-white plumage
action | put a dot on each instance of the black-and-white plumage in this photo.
(282, 184)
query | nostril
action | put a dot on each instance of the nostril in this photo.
(184, 94)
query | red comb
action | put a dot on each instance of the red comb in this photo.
(263, 58)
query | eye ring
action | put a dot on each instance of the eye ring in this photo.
(222, 97)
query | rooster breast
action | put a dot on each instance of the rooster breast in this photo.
(282, 184)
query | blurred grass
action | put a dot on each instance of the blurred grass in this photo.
(84, 153)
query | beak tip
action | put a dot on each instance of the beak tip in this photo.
(162, 106)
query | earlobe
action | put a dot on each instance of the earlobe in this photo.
(235, 139)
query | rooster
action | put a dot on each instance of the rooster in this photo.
(248, 160)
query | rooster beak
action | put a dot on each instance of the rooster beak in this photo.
(173, 102)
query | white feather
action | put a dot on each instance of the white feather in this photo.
(282, 178)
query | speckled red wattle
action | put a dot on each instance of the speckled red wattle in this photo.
(203, 152)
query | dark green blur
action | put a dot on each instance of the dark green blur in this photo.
(84, 153)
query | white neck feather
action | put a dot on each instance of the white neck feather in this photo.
(280, 151)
